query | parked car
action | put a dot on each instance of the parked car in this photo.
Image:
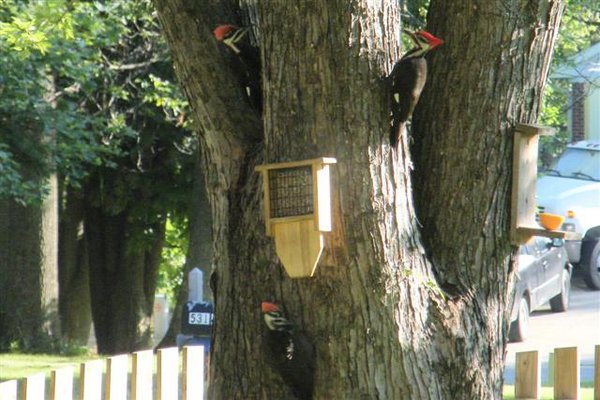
(544, 275)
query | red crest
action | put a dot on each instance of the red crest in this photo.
(267, 307)
(432, 40)
(222, 31)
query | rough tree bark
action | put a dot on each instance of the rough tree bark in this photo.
(488, 77)
(391, 318)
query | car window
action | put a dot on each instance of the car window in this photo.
(542, 245)
(578, 164)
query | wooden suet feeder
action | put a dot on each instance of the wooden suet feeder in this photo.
(523, 223)
(297, 208)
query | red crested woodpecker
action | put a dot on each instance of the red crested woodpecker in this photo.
(290, 352)
(248, 59)
(408, 78)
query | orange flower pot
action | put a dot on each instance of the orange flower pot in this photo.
(551, 221)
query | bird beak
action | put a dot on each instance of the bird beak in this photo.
(237, 35)
(231, 43)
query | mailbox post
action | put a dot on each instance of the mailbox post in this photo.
(196, 315)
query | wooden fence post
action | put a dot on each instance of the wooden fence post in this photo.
(33, 387)
(61, 384)
(193, 373)
(8, 390)
(566, 373)
(142, 369)
(527, 375)
(116, 377)
(597, 373)
(90, 380)
(168, 373)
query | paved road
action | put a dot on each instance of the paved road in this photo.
(579, 326)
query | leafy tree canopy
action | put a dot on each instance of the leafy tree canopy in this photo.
(74, 77)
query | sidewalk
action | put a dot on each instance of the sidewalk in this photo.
(577, 327)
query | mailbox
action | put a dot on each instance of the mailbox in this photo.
(197, 318)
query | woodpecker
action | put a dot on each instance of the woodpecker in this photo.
(248, 65)
(290, 352)
(407, 80)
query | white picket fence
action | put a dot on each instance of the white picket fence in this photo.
(122, 377)
(144, 375)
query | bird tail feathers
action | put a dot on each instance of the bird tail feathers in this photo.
(398, 130)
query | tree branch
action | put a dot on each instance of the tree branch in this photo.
(132, 66)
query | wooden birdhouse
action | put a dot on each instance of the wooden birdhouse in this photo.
(297, 209)
(523, 224)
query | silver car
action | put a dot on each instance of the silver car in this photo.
(544, 275)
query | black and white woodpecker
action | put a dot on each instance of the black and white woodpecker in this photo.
(290, 352)
(248, 59)
(407, 80)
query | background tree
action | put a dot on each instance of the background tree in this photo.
(120, 147)
(74, 276)
(28, 206)
(126, 207)
(29, 267)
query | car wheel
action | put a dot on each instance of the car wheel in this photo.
(520, 327)
(560, 302)
(591, 268)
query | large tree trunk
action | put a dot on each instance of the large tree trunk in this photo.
(29, 315)
(28, 274)
(75, 311)
(49, 268)
(488, 77)
(124, 255)
(387, 319)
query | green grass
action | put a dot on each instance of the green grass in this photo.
(585, 393)
(14, 366)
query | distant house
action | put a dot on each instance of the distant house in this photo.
(583, 71)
